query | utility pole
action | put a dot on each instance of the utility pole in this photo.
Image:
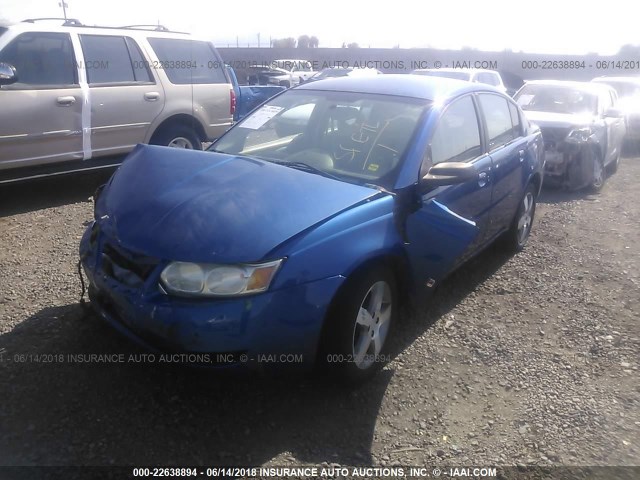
(64, 6)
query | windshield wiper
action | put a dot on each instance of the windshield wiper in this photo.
(378, 187)
(305, 167)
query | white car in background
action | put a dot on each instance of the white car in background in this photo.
(292, 72)
(628, 90)
(490, 77)
(335, 72)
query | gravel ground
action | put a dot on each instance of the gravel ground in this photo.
(531, 359)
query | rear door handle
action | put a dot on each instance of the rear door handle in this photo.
(66, 101)
(151, 96)
(483, 179)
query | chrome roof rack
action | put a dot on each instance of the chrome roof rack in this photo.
(66, 22)
(153, 27)
(72, 22)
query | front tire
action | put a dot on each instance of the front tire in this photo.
(354, 344)
(516, 237)
(613, 168)
(598, 173)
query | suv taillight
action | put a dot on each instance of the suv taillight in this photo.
(233, 102)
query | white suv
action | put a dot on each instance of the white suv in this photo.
(73, 96)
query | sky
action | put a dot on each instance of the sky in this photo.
(544, 26)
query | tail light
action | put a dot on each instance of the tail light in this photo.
(233, 102)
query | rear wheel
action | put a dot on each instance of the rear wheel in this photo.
(355, 339)
(516, 237)
(177, 136)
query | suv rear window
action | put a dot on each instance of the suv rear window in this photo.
(188, 61)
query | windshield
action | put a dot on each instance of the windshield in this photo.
(357, 138)
(557, 99)
(445, 74)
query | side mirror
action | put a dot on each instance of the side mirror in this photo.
(8, 74)
(613, 112)
(448, 173)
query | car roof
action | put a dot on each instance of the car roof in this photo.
(55, 25)
(585, 86)
(290, 60)
(402, 85)
(630, 80)
(463, 70)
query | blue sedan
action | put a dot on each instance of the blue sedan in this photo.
(296, 236)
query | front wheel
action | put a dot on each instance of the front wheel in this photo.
(355, 339)
(598, 174)
(516, 237)
(613, 168)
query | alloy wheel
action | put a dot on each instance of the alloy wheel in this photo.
(525, 220)
(372, 325)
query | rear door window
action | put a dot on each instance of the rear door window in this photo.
(113, 59)
(188, 61)
(498, 119)
(515, 120)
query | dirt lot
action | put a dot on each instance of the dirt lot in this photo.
(531, 359)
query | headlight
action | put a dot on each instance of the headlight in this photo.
(96, 197)
(579, 134)
(196, 279)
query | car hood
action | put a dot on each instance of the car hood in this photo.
(559, 120)
(209, 207)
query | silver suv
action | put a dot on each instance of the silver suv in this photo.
(74, 96)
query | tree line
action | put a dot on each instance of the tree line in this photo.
(304, 41)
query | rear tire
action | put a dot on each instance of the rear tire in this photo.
(177, 136)
(354, 343)
(516, 237)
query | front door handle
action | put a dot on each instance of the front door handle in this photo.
(151, 96)
(483, 179)
(521, 155)
(66, 101)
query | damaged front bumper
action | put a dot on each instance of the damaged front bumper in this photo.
(569, 164)
(272, 330)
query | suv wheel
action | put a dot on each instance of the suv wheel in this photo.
(179, 136)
